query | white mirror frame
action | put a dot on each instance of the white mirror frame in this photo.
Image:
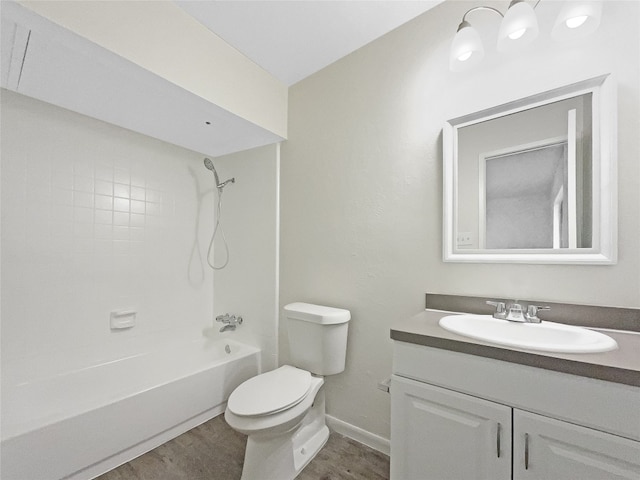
(604, 169)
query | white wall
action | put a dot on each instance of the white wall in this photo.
(361, 183)
(248, 285)
(95, 219)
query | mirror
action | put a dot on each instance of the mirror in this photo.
(534, 180)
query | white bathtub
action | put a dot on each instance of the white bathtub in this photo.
(81, 424)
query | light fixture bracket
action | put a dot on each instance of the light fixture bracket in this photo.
(474, 9)
(463, 24)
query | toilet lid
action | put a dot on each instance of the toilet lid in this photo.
(270, 392)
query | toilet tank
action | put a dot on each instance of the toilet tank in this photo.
(317, 337)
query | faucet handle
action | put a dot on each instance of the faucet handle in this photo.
(500, 308)
(532, 312)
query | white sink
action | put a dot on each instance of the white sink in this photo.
(545, 336)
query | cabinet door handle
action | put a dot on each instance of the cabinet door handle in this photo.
(498, 440)
(526, 451)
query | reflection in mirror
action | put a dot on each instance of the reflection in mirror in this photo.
(525, 203)
(521, 163)
(529, 178)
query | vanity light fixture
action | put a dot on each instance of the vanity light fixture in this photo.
(519, 27)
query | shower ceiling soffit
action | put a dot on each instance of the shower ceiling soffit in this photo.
(46, 61)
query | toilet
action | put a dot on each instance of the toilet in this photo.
(283, 411)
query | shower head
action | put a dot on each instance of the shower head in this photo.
(219, 185)
(209, 164)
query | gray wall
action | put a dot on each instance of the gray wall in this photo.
(361, 183)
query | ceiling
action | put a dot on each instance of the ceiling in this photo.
(296, 38)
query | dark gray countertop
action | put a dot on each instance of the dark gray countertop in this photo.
(619, 366)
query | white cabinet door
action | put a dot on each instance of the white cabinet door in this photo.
(547, 449)
(439, 434)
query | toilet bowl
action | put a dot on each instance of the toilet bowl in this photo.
(283, 411)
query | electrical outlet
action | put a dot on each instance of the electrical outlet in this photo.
(464, 239)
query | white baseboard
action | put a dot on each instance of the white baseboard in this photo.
(369, 439)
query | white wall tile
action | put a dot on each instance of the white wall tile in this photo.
(104, 172)
(78, 241)
(81, 184)
(121, 204)
(104, 202)
(121, 219)
(121, 190)
(137, 193)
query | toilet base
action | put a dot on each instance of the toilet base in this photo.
(282, 456)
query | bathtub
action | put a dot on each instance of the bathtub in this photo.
(80, 424)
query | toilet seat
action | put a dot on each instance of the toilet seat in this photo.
(270, 392)
(278, 422)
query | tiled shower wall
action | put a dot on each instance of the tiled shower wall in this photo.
(97, 219)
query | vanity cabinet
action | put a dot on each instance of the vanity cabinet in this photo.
(545, 448)
(441, 434)
(457, 416)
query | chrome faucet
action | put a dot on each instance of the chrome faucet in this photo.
(229, 322)
(514, 312)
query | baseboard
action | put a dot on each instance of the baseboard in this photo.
(359, 435)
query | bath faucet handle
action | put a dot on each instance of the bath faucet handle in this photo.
(230, 322)
(500, 309)
(532, 313)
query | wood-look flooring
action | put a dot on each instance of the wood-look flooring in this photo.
(214, 451)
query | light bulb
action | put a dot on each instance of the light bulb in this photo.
(464, 56)
(516, 34)
(575, 22)
(577, 19)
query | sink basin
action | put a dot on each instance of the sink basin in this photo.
(545, 336)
